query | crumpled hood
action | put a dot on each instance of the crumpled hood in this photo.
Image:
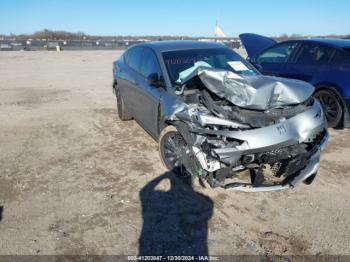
(256, 92)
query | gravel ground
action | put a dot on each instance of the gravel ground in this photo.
(74, 179)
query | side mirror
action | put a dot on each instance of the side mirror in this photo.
(155, 80)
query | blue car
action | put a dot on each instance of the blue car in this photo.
(325, 63)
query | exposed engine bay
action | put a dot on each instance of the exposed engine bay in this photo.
(269, 126)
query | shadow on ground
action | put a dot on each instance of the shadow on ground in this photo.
(1, 211)
(175, 219)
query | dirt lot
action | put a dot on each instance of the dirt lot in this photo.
(74, 179)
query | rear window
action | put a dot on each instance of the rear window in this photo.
(180, 62)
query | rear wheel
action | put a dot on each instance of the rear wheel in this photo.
(332, 106)
(121, 109)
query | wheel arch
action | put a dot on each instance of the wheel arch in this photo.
(114, 85)
(331, 86)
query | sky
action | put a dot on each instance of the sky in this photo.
(176, 17)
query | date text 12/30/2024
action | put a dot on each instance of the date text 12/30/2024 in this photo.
(172, 258)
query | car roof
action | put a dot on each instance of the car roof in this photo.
(334, 42)
(162, 46)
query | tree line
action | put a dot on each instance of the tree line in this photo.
(64, 35)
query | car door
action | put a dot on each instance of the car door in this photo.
(129, 88)
(311, 61)
(272, 61)
(148, 95)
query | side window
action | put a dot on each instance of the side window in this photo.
(125, 56)
(311, 54)
(277, 54)
(134, 58)
(341, 57)
(150, 63)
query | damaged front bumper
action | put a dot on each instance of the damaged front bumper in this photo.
(303, 136)
(307, 172)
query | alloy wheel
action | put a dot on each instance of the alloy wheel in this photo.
(331, 107)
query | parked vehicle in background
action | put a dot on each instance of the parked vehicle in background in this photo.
(325, 63)
(214, 115)
(6, 47)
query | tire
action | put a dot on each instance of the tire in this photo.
(122, 111)
(173, 151)
(332, 106)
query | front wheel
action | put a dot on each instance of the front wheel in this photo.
(174, 152)
(332, 107)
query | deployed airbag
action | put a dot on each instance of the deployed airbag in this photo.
(256, 92)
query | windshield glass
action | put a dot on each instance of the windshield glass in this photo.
(181, 63)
